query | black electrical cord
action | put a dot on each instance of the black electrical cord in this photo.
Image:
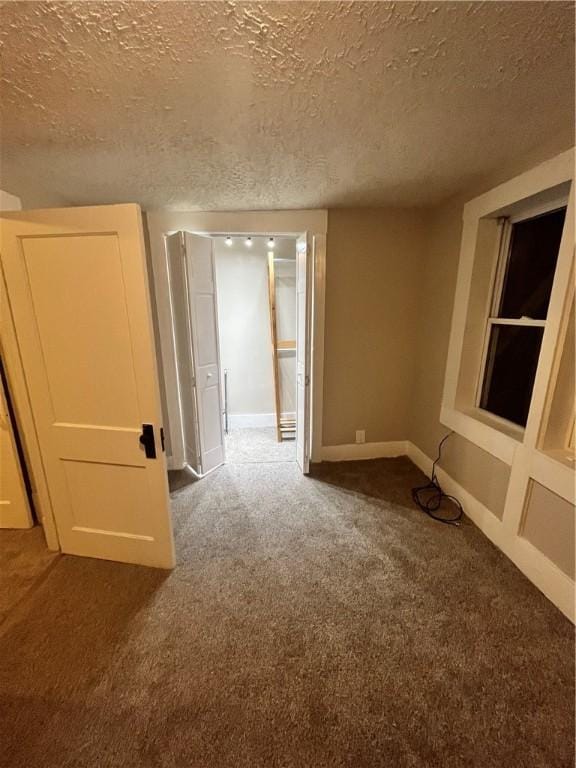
(429, 497)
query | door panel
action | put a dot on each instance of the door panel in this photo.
(206, 353)
(205, 314)
(77, 285)
(91, 381)
(302, 356)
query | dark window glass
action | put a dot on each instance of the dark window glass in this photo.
(510, 370)
(531, 265)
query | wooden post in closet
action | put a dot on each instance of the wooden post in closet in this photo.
(284, 427)
(273, 336)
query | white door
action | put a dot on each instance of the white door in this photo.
(205, 349)
(184, 442)
(14, 506)
(303, 314)
(199, 437)
(78, 289)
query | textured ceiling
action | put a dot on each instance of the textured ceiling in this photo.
(277, 105)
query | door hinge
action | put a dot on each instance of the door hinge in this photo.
(162, 442)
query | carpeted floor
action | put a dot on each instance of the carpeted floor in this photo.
(246, 446)
(311, 622)
(24, 560)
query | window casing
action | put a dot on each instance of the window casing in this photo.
(522, 284)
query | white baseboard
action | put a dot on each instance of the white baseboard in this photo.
(255, 420)
(542, 572)
(356, 451)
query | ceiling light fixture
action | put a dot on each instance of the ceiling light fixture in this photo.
(248, 242)
(228, 240)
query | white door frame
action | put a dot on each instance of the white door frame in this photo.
(258, 223)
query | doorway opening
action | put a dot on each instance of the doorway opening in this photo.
(256, 302)
(240, 325)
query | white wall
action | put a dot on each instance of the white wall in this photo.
(244, 324)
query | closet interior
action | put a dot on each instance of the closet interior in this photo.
(256, 290)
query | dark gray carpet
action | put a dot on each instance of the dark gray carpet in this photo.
(245, 446)
(309, 623)
(24, 560)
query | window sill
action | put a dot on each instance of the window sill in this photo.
(497, 422)
(496, 436)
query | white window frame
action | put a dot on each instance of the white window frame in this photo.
(498, 280)
(524, 196)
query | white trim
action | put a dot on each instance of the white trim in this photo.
(255, 420)
(553, 475)
(539, 569)
(358, 451)
(290, 223)
(559, 170)
(498, 285)
(547, 175)
(526, 322)
(459, 314)
(317, 351)
(491, 440)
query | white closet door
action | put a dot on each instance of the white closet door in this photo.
(303, 314)
(184, 439)
(14, 506)
(205, 349)
(78, 289)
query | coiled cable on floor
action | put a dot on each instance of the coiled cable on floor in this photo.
(429, 497)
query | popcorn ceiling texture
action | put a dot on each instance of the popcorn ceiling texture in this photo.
(227, 105)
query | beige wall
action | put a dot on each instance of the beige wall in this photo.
(372, 272)
(484, 476)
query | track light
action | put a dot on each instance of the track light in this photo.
(270, 242)
(248, 242)
(228, 240)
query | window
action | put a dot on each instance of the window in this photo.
(524, 276)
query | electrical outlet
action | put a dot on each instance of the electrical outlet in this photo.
(360, 435)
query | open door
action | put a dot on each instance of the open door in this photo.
(195, 321)
(78, 291)
(184, 439)
(303, 315)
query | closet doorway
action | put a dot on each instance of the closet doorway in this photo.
(240, 321)
(256, 289)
